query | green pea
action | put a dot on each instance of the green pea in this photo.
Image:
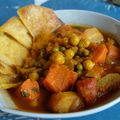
(84, 52)
(55, 49)
(62, 48)
(79, 72)
(79, 67)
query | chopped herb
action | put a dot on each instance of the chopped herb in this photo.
(25, 93)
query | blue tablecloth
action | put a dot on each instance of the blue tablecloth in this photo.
(8, 9)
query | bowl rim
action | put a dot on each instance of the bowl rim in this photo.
(74, 114)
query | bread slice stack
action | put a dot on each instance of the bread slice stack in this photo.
(17, 37)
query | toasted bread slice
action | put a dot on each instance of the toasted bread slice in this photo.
(6, 79)
(7, 82)
(6, 69)
(15, 28)
(11, 52)
(39, 20)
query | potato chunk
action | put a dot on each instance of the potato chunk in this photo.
(93, 35)
(64, 102)
(108, 82)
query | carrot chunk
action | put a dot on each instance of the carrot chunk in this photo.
(113, 51)
(99, 54)
(59, 78)
(29, 90)
(87, 89)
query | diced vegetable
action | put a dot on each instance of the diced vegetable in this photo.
(59, 78)
(29, 90)
(113, 51)
(87, 89)
(99, 54)
(65, 102)
(93, 35)
(96, 72)
(108, 82)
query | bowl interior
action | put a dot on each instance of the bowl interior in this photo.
(75, 17)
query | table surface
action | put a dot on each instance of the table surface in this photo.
(8, 9)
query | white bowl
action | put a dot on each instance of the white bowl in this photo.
(83, 18)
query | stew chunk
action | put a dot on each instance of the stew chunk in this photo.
(29, 90)
(59, 78)
(93, 35)
(65, 102)
(87, 89)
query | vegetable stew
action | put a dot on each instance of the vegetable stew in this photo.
(48, 66)
(76, 69)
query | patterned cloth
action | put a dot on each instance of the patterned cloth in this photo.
(8, 9)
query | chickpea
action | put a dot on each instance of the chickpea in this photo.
(65, 40)
(79, 67)
(69, 53)
(75, 49)
(34, 76)
(74, 40)
(88, 64)
(58, 57)
(84, 43)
